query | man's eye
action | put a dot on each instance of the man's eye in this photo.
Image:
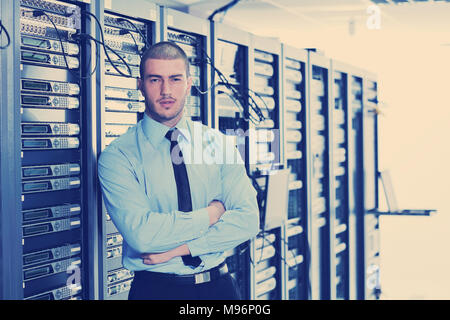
(176, 79)
(155, 80)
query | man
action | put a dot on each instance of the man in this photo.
(177, 217)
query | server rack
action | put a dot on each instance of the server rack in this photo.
(269, 273)
(229, 98)
(265, 155)
(319, 186)
(128, 29)
(371, 229)
(92, 193)
(10, 160)
(295, 231)
(342, 249)
(192, 35)
(363, 184)
(356, 182)
(230, 57)
(47, 91)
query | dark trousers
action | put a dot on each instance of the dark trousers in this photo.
(223, 288)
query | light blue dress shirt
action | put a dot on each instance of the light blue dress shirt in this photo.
(140, 195)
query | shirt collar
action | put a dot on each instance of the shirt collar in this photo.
(156, 131)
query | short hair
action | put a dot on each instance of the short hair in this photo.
(163, 50)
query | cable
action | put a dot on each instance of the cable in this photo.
(125, 31)
(207, 90)
(289, 251)
(260, 194)
(38, 13)
(144, 38)
(237, 95)
(104, 48)
(85, 35)
(232, 99)
(2, 28)
(97, 58)
(196, 44)
(225, 8)
(242, 98)
(102, 42)
(261, 98)
(224, 80)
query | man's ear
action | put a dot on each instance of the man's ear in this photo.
(140, 85)
(189, 84)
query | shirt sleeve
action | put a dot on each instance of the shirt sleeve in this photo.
(239, 223)
(128, 205)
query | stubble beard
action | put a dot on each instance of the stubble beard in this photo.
(150, 107)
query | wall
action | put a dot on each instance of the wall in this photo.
(413, 69)
(414, 74)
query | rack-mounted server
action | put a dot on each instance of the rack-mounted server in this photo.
(128, 33)
(294, 67)
(319, 181)
(192, 35)
(265, 155)
(229, 96)
(371, 222)
(52, 140)
(340, 245)
(319, 122)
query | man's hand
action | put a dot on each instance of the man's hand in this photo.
(156, 258)
(215, 209)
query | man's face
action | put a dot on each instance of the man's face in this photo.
(165, 87)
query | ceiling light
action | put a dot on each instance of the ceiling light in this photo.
(406, 1)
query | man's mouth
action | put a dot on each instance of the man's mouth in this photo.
(166, 102)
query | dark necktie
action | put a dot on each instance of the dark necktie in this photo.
(182, 182)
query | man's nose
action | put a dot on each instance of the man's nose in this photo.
(165, 88)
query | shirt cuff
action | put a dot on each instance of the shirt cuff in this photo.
(198, 246)
(200, 222)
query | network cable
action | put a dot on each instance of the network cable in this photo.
(89, 37)
(207, 90)
(102, 41)
(144, 38)
(290, 251)
(195, 42)
(2, 28)
(260, 201)
(260, 97)
(224, 9)
(242, 98)
(233, 98)
(260, 195)
(38, 13)
(125, 31)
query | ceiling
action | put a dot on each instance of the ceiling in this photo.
(319, 10)
(288, 19)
